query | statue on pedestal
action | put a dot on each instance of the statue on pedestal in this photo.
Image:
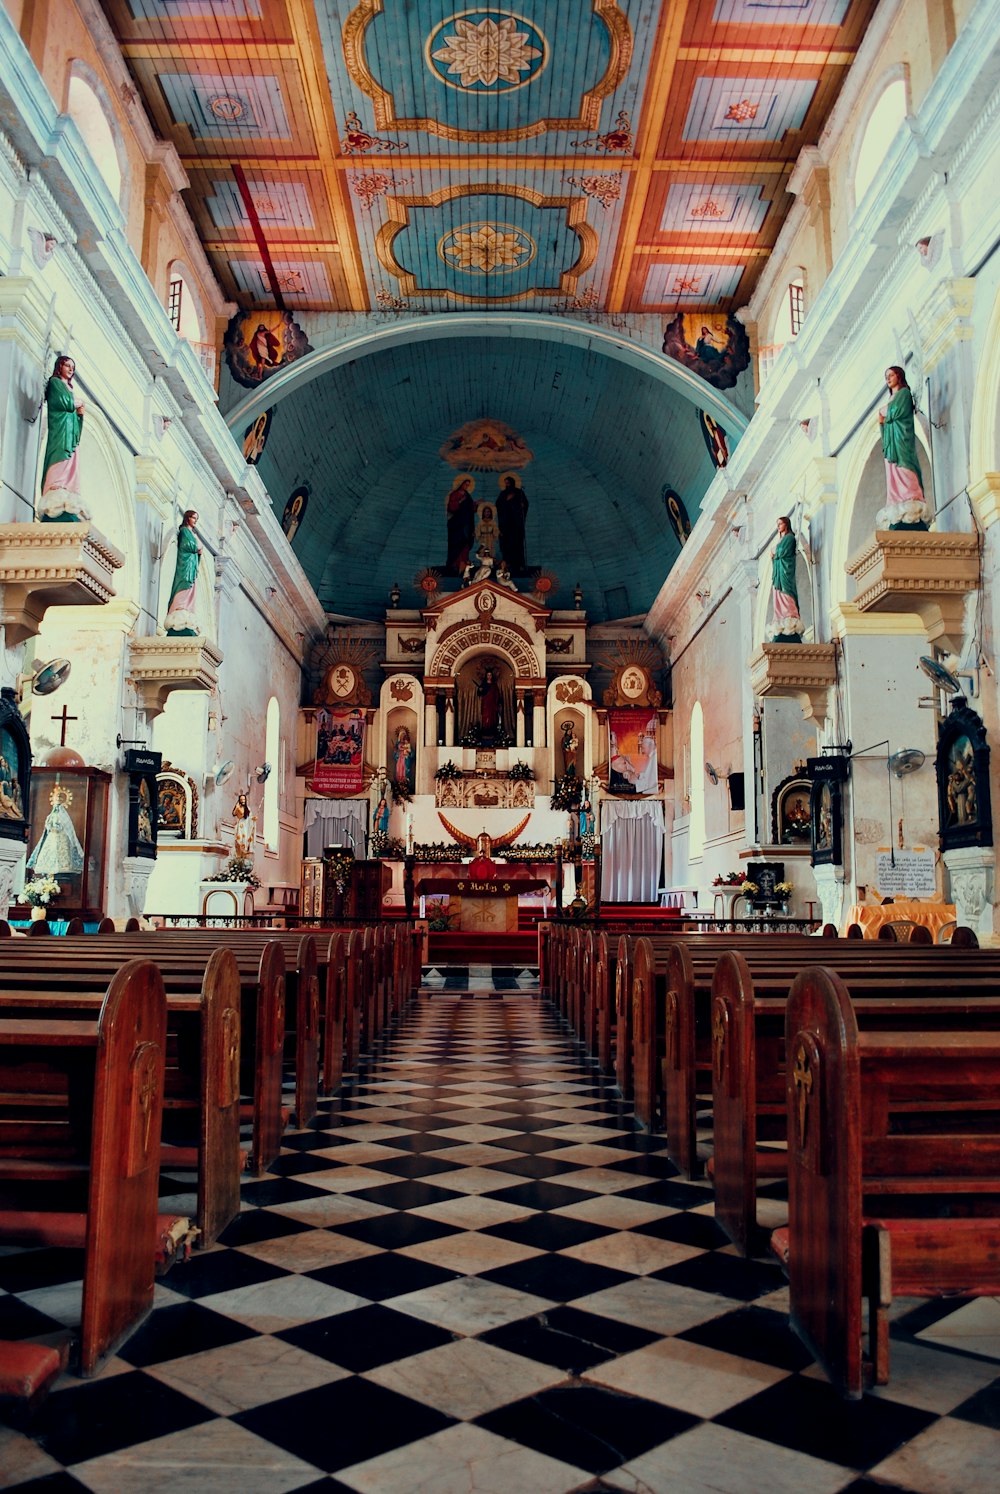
(788, 624)
(180, 621)
(905, 504)
(60, 502)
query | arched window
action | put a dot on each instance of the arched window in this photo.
(98, 128)
(884, 120)
(272, 755)
(696, 831)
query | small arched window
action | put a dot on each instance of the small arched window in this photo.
(696, 831)
(272, 754)
(182, 305)
(98, 128)
(884, 120)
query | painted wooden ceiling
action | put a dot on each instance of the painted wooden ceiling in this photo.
(605, 440)
(615, 155)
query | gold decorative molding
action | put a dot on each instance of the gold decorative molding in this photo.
(158, 666)
(52, 565)
(915, 571)
(803, 671)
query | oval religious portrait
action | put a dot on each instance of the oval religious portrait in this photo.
(255, 438)
(295, 511)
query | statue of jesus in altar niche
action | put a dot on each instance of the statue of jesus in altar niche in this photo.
(485, 704)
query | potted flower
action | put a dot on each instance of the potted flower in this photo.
(728, 879)
(39, 892)
(748, 889)
(784, 890)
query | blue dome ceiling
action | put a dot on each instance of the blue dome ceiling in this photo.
(606, 439)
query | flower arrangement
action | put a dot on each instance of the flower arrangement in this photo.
(520, 773)
(400, 792)
(784, 889)
(748, 889)
(568, 792)
(237, 869)
(387, 847)
(40, 891)
(439, 920)
(339, 863)
(448, 772)
(728, 879)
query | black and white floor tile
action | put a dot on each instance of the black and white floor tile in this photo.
(472, 1275)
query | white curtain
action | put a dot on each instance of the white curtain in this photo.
(632, 845)
(336, 822)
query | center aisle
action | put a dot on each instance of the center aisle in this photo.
(472, 1276)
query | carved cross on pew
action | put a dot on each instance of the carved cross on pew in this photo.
(63, 720)
(802, 1077)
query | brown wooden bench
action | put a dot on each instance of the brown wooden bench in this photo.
(80, 1111)
(202, 1084)
(894, 1174)
(748, 1065)
(673, 1057)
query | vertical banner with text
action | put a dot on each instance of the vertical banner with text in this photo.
(632, 760)
(340, 751)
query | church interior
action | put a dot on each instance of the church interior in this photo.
(482, 1008)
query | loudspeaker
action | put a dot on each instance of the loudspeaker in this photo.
(737, 792)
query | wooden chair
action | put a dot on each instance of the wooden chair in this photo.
(75, 926)
(855, 931)
(964, 938)
(38, 928)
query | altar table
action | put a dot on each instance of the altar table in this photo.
(932, 916)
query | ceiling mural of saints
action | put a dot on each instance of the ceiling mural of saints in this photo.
(714, 347)
(486, 446)
(258, 343)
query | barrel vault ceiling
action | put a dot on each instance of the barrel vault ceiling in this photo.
(607, 155)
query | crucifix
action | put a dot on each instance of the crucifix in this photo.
(63, 719)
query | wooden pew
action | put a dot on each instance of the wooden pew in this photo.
(202, 1072)
(748, 1067)
(673, 1054)
(894, 1173)
(262, 981)
(81, 1103)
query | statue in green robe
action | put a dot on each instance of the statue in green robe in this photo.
(905, 504)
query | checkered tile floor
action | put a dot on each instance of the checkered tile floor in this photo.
(472, 1276)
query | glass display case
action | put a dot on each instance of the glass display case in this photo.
(68, 837)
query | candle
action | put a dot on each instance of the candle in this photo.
(409, 834)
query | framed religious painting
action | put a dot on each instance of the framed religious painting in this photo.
(962, 765)
(826, 822)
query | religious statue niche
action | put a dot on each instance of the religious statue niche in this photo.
(15, 769)
(791, 817)
(570, 746)
(142, 766)
(69, 833)
(484, 689)
(177, 801)
(962, 766)
(826, 822)
(401, 752)
(714, 347)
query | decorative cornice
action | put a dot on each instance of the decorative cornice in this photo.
(929, 574)
(984, 494)
(804, 671)
(158, 666)
(50, 565)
